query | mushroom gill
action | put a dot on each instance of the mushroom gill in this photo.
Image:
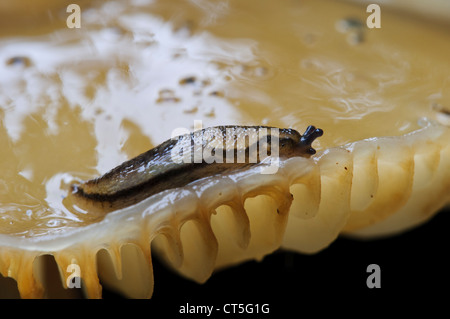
(75, 103)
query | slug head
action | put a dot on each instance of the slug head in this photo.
(293, 143)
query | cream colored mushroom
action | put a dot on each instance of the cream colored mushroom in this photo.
(76, 103)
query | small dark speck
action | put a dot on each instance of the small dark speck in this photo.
(188, 80)
(216, 93)
(345, 168)
(350, 23)
(371, 195)
(19, 61)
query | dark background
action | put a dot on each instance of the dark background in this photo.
(414, 272)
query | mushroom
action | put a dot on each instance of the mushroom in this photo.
(382, 167)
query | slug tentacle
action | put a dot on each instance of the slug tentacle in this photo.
(309, 136)
(187, 158)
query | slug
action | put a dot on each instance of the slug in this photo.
(186, 158)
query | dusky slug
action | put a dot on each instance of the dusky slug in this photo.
(186, 158)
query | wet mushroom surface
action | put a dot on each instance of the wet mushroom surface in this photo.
(77, 102)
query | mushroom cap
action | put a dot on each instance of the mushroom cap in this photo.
(381, 97)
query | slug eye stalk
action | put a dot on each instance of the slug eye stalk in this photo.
(308, 138)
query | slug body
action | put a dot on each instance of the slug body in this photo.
(186, 158)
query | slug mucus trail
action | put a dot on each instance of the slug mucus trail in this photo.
(186, 158)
